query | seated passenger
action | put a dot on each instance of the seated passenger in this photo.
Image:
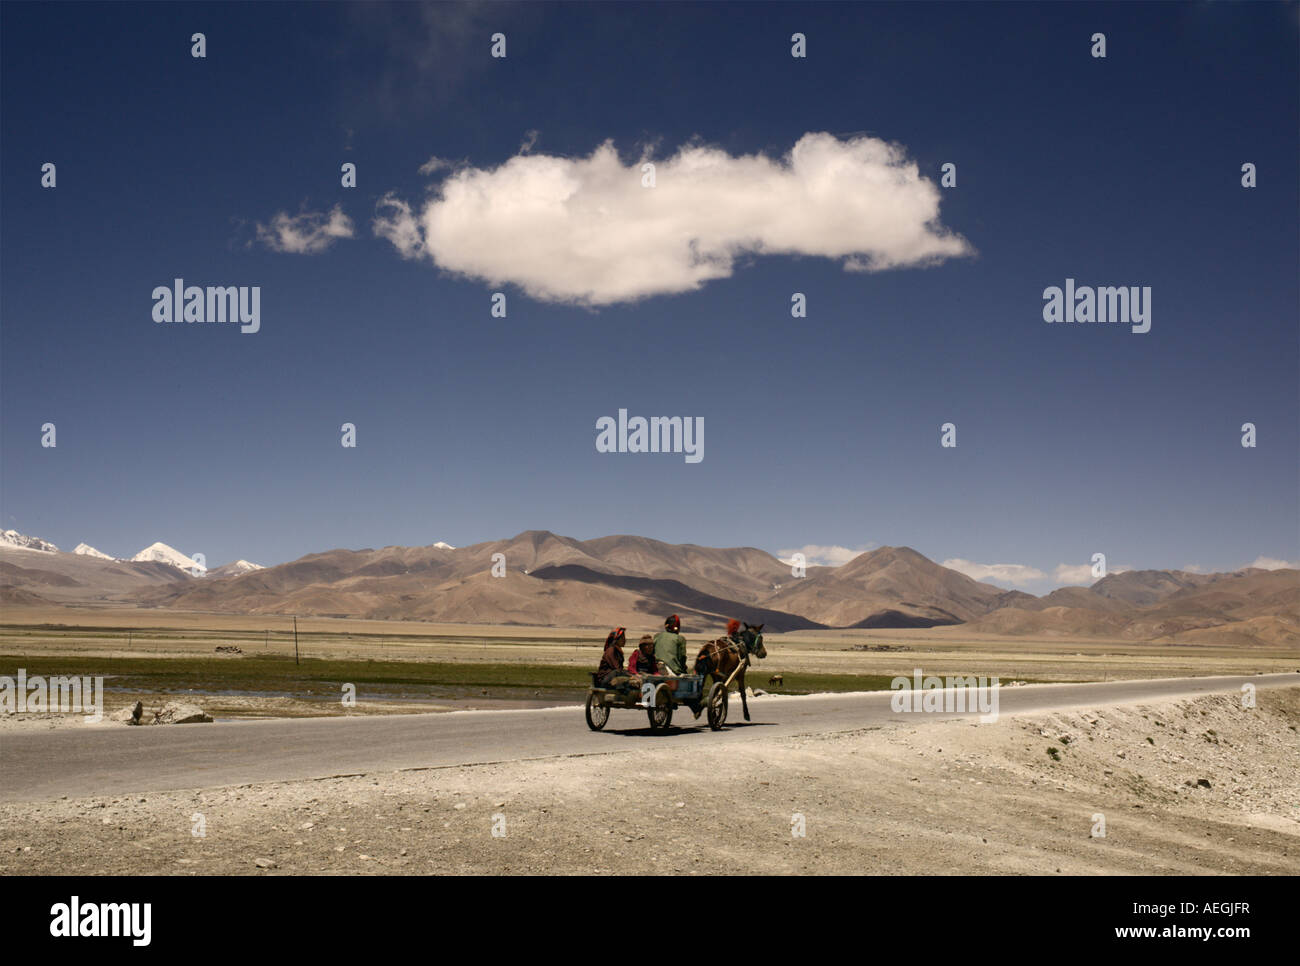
(670, 646)
(643, 658)
(611, 671)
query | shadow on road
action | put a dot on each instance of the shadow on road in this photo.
(699, 729)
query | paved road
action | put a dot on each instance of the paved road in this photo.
(108, 760)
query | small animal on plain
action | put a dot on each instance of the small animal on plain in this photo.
(776, 679)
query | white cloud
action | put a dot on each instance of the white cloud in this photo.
(306, 233)
(395, 222)
(1272, 563)
(584, 230)
(1017, 575)
(1075, 575)
(1081, 574)
(817, 555)
(436, 164)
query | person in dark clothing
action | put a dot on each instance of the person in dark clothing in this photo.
(611, 661)
(643, 658)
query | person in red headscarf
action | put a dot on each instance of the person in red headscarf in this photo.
(611, 661)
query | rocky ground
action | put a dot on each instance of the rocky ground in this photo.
(1183, 787)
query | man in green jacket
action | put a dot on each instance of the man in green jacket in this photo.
(670, 646)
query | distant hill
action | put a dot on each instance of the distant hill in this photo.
(888, 587)
(1250, 606)
(556, 580)
(35, 571)
(57, 577)
(548, 579)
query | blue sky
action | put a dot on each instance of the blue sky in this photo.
(821, 431)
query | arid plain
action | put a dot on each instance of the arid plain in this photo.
(802, 657)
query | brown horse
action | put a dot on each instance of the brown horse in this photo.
(719, 659)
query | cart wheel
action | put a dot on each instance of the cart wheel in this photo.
(597, 712)
(717, 706)
(661, 715)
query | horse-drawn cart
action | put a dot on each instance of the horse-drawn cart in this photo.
(659, 695)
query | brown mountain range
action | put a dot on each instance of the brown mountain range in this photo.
(556, 580)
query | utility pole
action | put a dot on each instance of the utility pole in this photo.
(295, 638)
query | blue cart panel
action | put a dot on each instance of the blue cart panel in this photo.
(685, 688)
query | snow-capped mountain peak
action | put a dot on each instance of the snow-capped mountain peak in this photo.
(162, 553)
(19, 541)
(235, 568)
(444, 546)
(86, 550)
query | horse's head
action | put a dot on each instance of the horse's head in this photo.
(752, 635)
